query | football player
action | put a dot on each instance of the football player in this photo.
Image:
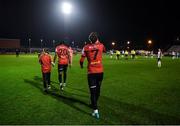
(64, 59)
(93, 52)
(46, 61)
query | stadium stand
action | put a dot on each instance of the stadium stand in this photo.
(175, 48)
(9, 45)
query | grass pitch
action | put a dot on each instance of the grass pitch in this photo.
(133, 92)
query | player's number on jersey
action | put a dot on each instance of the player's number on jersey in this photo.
(95, 54)
(63, 52)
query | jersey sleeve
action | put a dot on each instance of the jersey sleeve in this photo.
(83, 56)
(104, 49)
(40, 59)
(83, 53)
(51, 58)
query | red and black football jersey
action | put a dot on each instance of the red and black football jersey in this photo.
(94, 53)
(62, 51)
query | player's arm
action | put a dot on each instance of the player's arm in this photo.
(69, 58)
(82, 61)
(83, 56)
(40, 62)
(55, 56)
(104, 49)
(52, 63)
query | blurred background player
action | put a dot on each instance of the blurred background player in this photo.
(122, 53)
(71, 54)
(173, 55)
(17, 52)
(177, 55)
(133, 54)
(64, 59)
(159, 56)
(126, 54)
(111, 54)
(46, 60)
(152, 54)
(117, 54)
(94, 51)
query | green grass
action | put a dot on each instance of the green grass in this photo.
(133, 92)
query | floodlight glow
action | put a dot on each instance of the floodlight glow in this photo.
(66, 8)
(149, 42)
(113, 43)
(128, 42)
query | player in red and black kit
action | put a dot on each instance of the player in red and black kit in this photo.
(62, 51)
(46, 60)
(94, 51)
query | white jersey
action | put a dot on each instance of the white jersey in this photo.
(173, 53)
(159, 54)
(111, 52)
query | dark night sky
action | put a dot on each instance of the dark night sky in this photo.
(114, 20)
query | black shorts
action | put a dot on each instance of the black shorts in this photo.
(95, 79)
(62, 68)
(159, 59)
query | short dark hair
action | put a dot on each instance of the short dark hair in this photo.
(93, 37)
(61, 42)
(46, 50)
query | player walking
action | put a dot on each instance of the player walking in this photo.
(126, 54)
(46, 60)
(117, 54)
(62, 51)
(17, 52)
(133, 54)
(159, 56)
(71, 54)
(111, 53)
(94, 51)
(173, 55)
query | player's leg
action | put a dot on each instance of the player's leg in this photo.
(60, 72)
(126, 57)
(44, 81)
(93, 89)
(159, 62)
(65, 74)
(49, 80)
(99, 80)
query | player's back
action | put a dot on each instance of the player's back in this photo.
(94, 54)
(62, 52)
(45, 60)
(126, 52)
(117, 52)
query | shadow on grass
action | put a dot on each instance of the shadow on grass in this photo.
(125, 113)
(64, 97)
(38, 79)
(112, 111)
